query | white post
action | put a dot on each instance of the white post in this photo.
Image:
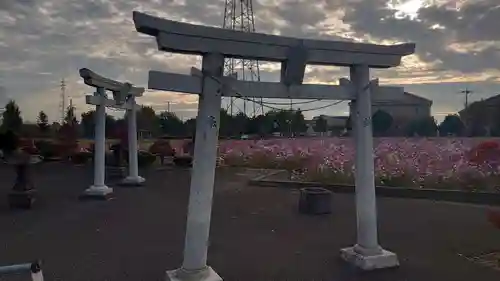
(366, 208)
(100, 145)
(99, 188)
(37, 276)
(367, 253)
(133, 178)
(194, 266)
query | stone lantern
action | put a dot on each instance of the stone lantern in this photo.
(23, 192)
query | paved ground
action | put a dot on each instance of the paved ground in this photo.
(256, 233)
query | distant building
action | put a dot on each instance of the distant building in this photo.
(332, 121)
(335, 124)
(484, 112)
(411, 107)
(145, 134)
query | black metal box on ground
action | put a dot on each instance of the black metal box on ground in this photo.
(116, 172)
(22, 199)
(315, 201)
(183, 161)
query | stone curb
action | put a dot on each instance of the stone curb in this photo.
(457, 196)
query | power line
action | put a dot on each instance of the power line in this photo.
(293, 103)
(302, 110)
(263, 104)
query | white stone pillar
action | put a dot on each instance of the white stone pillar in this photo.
(99, 188)
(367, 254)
(133, 178)
(194, 266)
(352, 115)
(366, 209)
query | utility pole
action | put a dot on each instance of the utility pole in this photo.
(63, 100)
(72, 110)
(168, 106)
(466, 92)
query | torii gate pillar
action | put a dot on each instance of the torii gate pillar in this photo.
(99, 188)
(366, 254)
(194, 266)
(133, 178)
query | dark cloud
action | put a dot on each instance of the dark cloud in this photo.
(300, 13)
(43, 41)
(18, 6)
(436, 28)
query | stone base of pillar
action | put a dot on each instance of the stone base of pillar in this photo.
(97, 192)
(384, 259)
(133, 181)
(206, 274)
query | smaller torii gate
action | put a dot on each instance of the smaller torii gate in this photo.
(216, 44)
(124, 95)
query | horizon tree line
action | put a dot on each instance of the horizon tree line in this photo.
(167, 124)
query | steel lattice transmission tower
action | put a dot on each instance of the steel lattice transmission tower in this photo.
(63, 100)
(238, 15)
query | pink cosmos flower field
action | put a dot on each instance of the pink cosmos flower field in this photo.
(451, 163)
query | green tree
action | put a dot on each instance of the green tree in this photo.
(225, 123)
(70, 118)
(69, 128)
(348, 123)
(451, 125)
(272, 122)
(320, 125)
(190, 126)
(495, 124)
(240, 124)
(112, 125)
(43, 122)
(170, 124)
(147, 120)
(12, 119)
(260, 125)
(281, 120)
(298, 122)
(424, 127)
(382, 122)
(87, 123)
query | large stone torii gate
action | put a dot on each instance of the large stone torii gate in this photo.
(214, 45)
(124, 95)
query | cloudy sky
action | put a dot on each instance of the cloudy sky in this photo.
(43, 41)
